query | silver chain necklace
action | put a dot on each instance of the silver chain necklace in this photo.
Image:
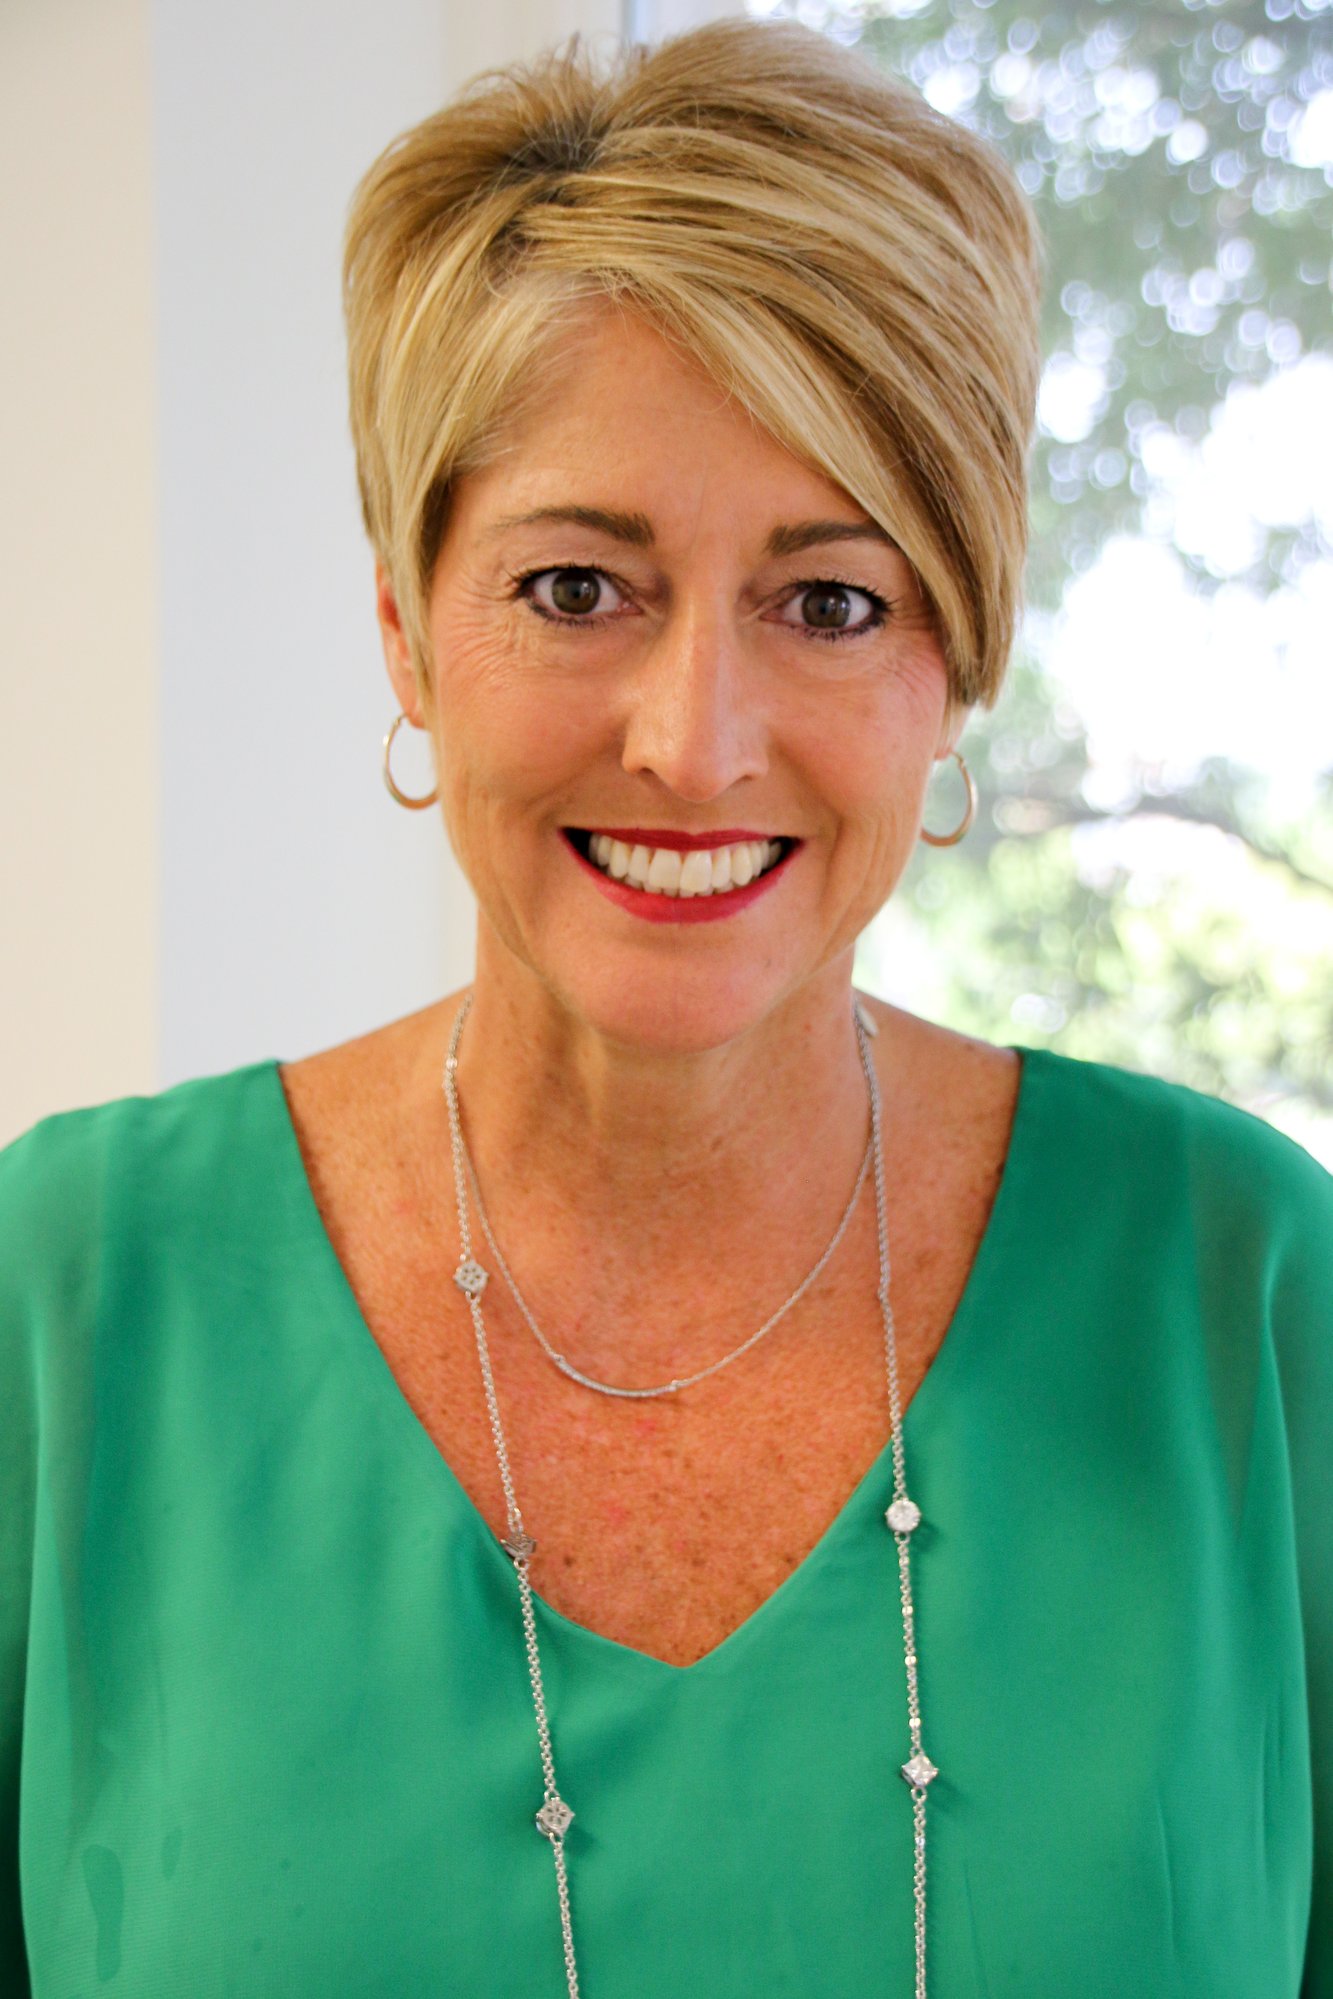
(554, 1817)
(686, 1381)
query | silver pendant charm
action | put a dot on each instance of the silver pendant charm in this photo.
(903, 1516)
(470, 1277)
(520, 1547)
(920, 1769)
(554, 1817)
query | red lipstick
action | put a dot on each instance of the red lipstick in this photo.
(681, 908)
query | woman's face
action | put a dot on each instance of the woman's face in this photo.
(681, 672)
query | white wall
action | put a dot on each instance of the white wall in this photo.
(299, 904)
(201, 865)
(80, 821)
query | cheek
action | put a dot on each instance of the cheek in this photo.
(874, 755)
(873, 770)
(508, 737)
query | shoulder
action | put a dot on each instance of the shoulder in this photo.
(55, 1178)
(1196, 1199)
(1097, 1141)
(1188, 1206)
(1169, 1134)
(70, 1153)
(77, 1181)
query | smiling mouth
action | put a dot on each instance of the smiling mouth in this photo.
(671, 871)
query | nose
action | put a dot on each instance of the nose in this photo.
(696, 715)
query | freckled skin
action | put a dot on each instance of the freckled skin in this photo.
(666, 1118)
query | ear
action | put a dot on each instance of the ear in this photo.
(397, 653)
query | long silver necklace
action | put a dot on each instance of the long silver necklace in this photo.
(902, 1516)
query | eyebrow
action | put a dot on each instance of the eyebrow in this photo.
(636, 529)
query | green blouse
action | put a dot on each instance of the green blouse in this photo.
(266, 1729)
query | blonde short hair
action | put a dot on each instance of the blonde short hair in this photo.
(862, 273)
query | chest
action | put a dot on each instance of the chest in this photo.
(665, 1523)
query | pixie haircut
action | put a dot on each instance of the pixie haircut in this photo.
(860, 272)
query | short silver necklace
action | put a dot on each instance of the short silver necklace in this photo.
(684, 1381)
(555, 1816)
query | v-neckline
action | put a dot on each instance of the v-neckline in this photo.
(359, 1341)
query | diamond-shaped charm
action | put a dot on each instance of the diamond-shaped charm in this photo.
(553, 1817)
(920, 1769)
(470, 1277)
(903, 1516)
(519, 1546)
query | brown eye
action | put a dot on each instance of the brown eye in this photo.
(828, 606)
(575, 592)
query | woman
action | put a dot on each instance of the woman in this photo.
(516, 1412)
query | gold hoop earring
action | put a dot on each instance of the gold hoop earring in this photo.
(414, 804)
(948, 839)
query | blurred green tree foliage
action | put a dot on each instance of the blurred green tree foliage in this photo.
(1177, 156)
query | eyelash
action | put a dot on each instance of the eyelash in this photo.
(880, 606)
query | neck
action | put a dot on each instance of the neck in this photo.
(615, 1171)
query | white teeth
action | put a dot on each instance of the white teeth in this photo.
(683, 872)
(696, 873)
(664, 869)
